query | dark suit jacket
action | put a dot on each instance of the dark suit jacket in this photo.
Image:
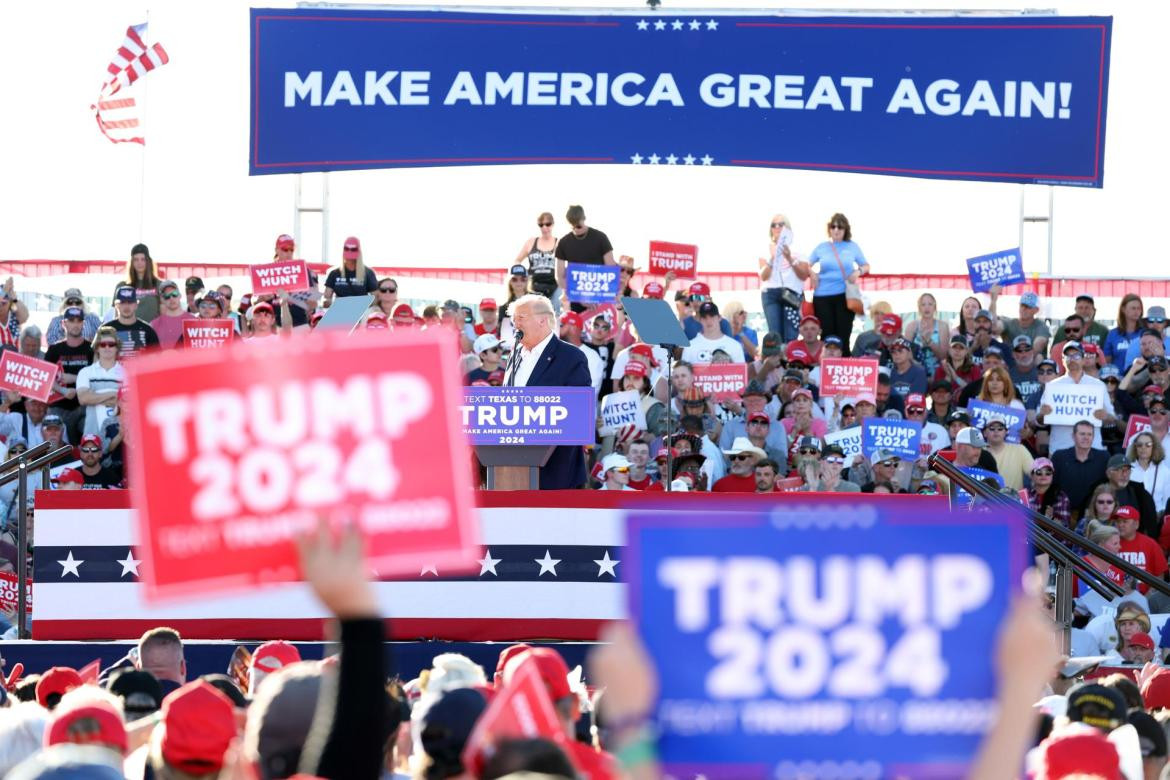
(562, 365)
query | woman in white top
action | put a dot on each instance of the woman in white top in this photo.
(98, 383)
(782, 275)
(1146, 454)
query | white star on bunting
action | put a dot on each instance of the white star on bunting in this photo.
(70, 566)
(432, 569)
(653, 159)
(606, 565)
(643, 24)
(712, 24)
(660, 25)
(636, 159)
(676, 25)
(129, 564)
(671, 159)
(696, 24)
(547, 564)
(707, 159)
(689, 159)
(488, 564)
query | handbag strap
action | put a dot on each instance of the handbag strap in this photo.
(837, 257)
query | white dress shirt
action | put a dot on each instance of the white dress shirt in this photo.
(528, 360)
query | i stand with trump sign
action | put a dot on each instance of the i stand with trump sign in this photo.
(818, 637)
(239, 450)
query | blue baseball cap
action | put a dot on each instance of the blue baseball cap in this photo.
(127, 294)
(1030, 299)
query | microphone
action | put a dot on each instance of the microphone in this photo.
(513, 359)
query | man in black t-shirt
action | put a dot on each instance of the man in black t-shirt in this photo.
(96, 475)
(582, 244)
(71, 354)
(134, 334)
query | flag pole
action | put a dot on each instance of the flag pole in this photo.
(142, 155)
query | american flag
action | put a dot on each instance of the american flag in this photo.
(551, 569)
(118, 117)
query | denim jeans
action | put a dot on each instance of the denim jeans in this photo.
(781, 317)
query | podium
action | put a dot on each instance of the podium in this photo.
(512, 467)
(515, 429)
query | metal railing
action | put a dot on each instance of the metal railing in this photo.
(1049, 537)
(39, 458)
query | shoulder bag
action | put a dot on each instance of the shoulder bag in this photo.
(853, 300)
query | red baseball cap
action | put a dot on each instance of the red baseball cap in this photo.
(795, 352)
(352, 248)
(1126, 513)
(263, 306)
(1155, 690)
(549, 664)
(506, 655)
(91, 438)
(574, 319)
(654, 290)
(810, 318)
(200, 724)
(274, 655)
(1083, 751)
(285, 241)
(111, 730)
(646, 351)
(634, 368)
(403, 314)
(699, 288)
(665, 451)
(759, 416)
(488, 303)
(58, 680)
(1142, 640)
(890, 324)
(916, 401)
(1090, 349)
(70, 475)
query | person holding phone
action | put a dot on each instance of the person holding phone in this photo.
(782, 276)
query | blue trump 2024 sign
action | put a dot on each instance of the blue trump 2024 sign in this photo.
(529, 415)
(900, 437)
(853, 640)
(1001, 268)
(1018, 99)
(592, 283)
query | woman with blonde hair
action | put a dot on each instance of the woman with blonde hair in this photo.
(869, 339)
(782, 274)
(1146, 455)
(997, 388)
(351, 278)
(933, 335)
(1100, 507)
(1103, 535)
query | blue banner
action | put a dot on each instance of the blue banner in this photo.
(592, 283)
(529, 415)
(822, 637)
(963, 499)
(1002, 268)
(1016, 99)
(982, 411)
(898, 436)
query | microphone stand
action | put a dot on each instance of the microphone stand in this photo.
(513, 359)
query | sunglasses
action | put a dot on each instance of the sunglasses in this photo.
(1159, 412)
(73, 302)
(621, 469)
(777, 224)
(170, 295)
(388, 289)
(1022, 349)
(493, 349)
(1072, 331)
(1043, 472)
(544, 224)
(91, 449)
(758, 422)
(742, 456)
(890, 463)
(351, 248)
(836, 227)
(808, 451)
(109, 344)
(835, 460)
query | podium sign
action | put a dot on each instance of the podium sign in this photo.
(530, 416)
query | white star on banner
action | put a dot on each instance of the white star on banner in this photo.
(712, 24)
(707, 159)
(671, 159)
(70, 566)
(660, 25)
(643, 24)
(653, 159)
(129, 564)
(696, 24)
(606, 566)
(636, 159)
(547, 564)
(432, 569)
(676, 25)
(488, 563)
(689, 159)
